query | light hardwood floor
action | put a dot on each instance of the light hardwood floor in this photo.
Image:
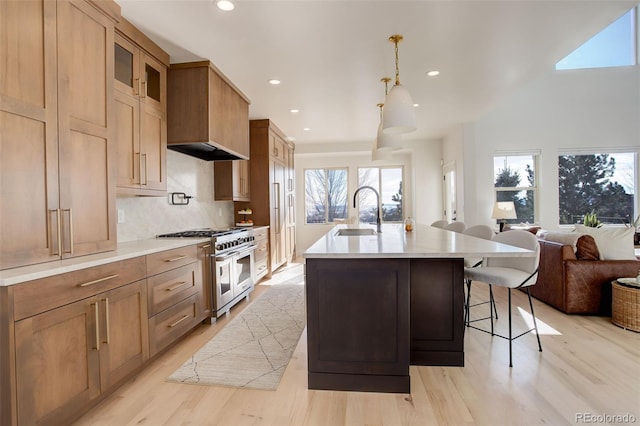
(588, 367)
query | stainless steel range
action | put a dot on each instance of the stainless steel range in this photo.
(231, 263)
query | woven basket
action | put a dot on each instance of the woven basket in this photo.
(625, 306)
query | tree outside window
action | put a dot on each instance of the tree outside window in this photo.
(598, 183)
(515, 180)
(325, 195)
(388, 182)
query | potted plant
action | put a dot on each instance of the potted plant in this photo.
(591, 220)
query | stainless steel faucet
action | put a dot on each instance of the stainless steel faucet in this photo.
(355, 196)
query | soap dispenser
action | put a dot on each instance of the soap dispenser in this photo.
(409, 224)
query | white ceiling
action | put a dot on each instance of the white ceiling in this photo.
(331, 55)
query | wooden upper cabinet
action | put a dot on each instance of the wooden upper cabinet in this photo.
(29, 133)
(205, 107)
(140, 112)
(231, 180)
(56, 113)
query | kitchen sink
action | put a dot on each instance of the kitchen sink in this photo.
(345, 232)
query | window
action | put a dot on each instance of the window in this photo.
(325, 195)
(600, 183)
(612, 47)
(388, 182)
(515, 180)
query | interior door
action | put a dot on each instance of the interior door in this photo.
(449, 191)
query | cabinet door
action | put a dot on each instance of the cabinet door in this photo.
(241, 180)
(57, 363)
(278, 215)
(124, 335)
(153, 123)
(126, 66)
(85, 126)
(127, 123)
(29, 133)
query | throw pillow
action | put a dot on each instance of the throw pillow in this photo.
(587, 249)
(613, 243)
(568, 238)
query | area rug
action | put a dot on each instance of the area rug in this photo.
(253, 350)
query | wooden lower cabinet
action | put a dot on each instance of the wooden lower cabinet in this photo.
(68, 356)
(176, 296)
(68, 340)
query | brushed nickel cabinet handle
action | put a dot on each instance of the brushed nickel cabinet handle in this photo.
(97, 319)
(175, 259)
(143, 90)
(70, 210)
(50, 233)
(178, 322)
(146, 175)
(106, 318)
(99, 280)
(178, 285)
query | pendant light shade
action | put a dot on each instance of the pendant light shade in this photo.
(398, 115)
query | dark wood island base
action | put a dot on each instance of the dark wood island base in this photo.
(369, 319)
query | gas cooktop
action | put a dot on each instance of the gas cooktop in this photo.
(202, 233)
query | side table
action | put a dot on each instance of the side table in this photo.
(625, 306)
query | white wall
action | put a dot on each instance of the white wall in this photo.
(558, 112)
(422, 180)
(146, 217)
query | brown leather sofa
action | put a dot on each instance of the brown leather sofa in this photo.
(576, 286)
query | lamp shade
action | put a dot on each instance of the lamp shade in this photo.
(398, 114)
(386, 140)
(380, 154)
(504, 210)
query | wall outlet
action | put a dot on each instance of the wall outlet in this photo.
(120, 215)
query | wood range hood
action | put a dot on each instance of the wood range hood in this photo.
(207, 116)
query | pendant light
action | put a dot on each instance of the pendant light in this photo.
(398, 115)
(386, 140)
(381, 153)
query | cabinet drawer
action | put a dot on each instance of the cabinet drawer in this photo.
(261, 234)
(41, 295)
(172, 323)
(171, 259)
(262, 267)
(262, 250)
(164, 290)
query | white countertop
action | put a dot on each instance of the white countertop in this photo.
(424, 242)
(123, 251)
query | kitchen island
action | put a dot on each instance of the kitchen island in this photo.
(379, 302)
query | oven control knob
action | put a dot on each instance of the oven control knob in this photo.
(219, 246)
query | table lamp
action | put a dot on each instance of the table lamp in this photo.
(504, 210)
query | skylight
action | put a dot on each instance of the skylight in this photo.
(612, 47)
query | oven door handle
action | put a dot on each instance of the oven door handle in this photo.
(223, 257)
(246, 250)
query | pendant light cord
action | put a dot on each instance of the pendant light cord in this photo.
(397, 67)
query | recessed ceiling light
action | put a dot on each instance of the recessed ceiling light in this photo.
(306, 129)
(294, 111)
(225, 5)
(274, 81)
(433, 73)
(416, 105)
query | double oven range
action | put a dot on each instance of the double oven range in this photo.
(231, 262)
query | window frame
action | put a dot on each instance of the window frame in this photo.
(600, 151)
(534, 189)
(326, 194)
(402, 174)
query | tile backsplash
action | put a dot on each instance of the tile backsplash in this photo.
(146, 217)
